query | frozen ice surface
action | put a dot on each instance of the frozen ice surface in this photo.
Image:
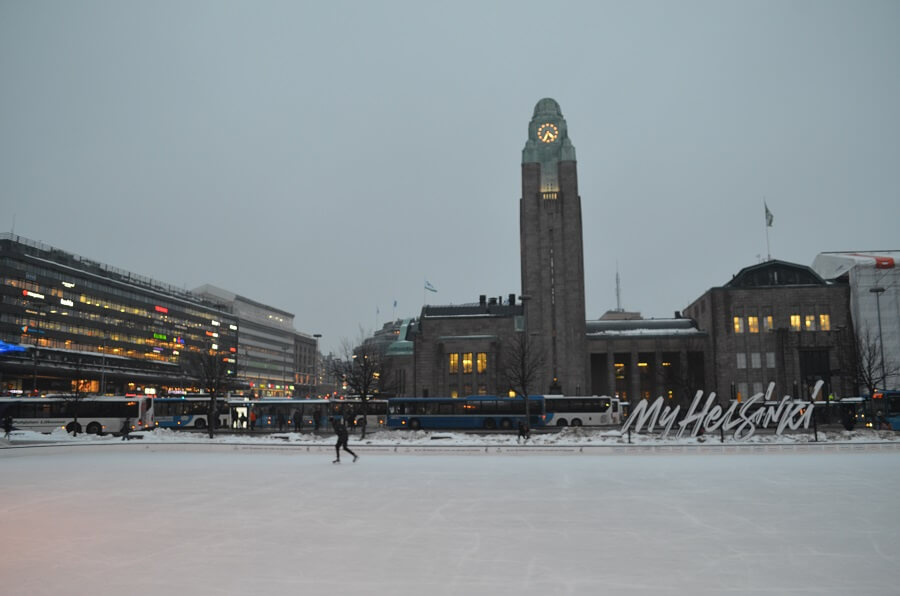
(157, 518)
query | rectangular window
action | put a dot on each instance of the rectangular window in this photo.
(741, 391)
(741, 360)
(770, 359)
(467, 389)
(768, 323)
(753, 324)
(454, 364)
(795, 322)
(757, 388)
(482, 390)
(467, 363)
(810, 322)
(755, 360)
(482, 362)
(825, 322)
(738, 325)
(454, 391)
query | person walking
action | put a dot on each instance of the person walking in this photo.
(126, 430)
(524, 431)
(342, 437)
(7, 425)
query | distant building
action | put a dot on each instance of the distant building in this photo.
(634, 358)
(874, 283)
(775, 321)
(272, 357)
(102, 328)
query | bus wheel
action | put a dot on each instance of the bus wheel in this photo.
(201, 423)
(506, 423)
(561, 422)
(576, 422)
(73, 427)
(414, 424)
(490, 423)
(94, 428)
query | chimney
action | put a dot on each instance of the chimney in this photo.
(512, 299)
(482, 300)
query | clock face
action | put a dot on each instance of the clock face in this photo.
(547, 133)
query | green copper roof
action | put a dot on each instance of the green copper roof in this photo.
(548, 135)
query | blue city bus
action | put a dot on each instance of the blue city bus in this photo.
(464, 413)
(190, 411)
(886, 409)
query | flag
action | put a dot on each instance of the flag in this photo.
(395, 304)
(769, 217)
(429, 287)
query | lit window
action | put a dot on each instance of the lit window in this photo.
(482, 390)
(454, 364)
(795, 322)
(741, 360)
(768, 323)
(810, 322)
(454, 391)
(467, 364)
(753, 324)
(482, 362)
(738, 325)
(825, 322)
(755, 360)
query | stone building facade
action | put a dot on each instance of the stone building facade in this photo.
(775, 321)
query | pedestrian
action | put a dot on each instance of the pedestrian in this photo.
(252, 419)
(242, 421)
(126, 430)
(342, 437)
(524, 431)
(281, 421)
(7, 425)
(298, 420)
(317, 422)
(362, 426)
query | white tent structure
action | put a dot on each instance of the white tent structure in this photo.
(874, 281)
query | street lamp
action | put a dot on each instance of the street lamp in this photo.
(315, 385)
(878, 291)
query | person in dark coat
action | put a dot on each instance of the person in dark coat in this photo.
(126, 430)
(7, 425)
(342, 437)
(524, 432)
(281, 421)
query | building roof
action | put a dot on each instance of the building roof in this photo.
(775, 273)
(642, 327)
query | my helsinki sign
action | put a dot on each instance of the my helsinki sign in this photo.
(743, 418)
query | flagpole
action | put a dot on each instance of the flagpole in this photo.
(768, 224)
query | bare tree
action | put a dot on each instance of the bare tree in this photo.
(210, 369)
(361, 368)
(860, 359)
(521, 364)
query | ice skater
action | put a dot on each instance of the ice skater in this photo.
(342, 436)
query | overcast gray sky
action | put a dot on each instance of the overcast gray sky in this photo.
(326, 158)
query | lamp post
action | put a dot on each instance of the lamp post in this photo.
(315, 384)
(878, 291)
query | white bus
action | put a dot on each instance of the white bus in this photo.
(94, 415)
(564, 410)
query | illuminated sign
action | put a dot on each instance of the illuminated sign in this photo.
(31, 294)
(68, 284)
(160, 336)
(161, 309)
(215, 323)
(66, 302)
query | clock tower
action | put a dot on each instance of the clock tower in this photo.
(553, 253)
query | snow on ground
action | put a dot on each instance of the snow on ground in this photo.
(174, 515)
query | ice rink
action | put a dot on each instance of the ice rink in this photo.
(178, 519)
